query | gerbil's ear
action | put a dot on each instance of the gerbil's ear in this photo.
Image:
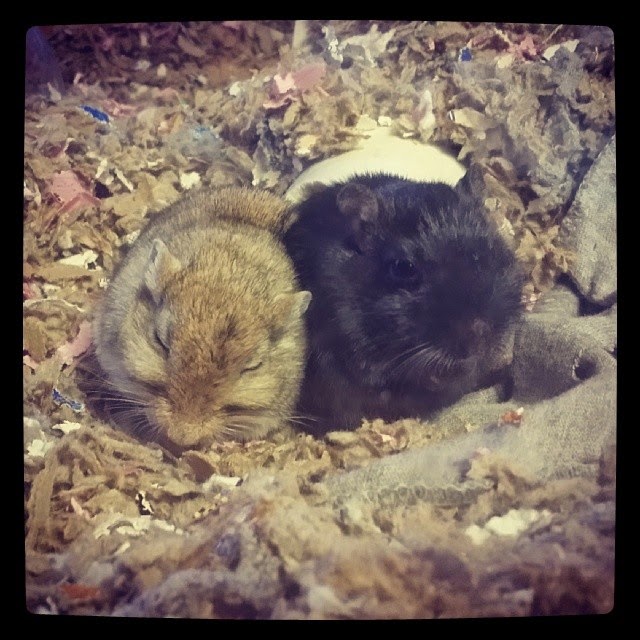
(302, 299)
(307, 190)
(160, 266)
(471, 186)
(290, 307)
(360, 205)
(357, 201)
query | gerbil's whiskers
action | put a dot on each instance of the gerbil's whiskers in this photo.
(119, 399)
(302, 420)
(426, 358)
(408, 353)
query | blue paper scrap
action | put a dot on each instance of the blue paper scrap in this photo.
(96, 113)
(465, 54)
(58, 398)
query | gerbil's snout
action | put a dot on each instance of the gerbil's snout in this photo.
(469, 337)
(186, 424)
(196, 416)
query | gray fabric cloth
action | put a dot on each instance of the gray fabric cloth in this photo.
(564, 372)
(589, 229)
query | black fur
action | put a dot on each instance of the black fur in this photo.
(396, 266)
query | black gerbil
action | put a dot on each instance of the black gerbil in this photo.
(413, 290)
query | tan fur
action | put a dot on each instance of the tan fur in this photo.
(212, 268)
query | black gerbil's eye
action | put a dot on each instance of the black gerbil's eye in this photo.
(402, 271)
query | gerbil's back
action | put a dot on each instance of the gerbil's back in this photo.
(237, 205)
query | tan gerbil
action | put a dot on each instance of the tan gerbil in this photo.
(200, 334)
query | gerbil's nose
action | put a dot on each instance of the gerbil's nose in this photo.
(471, 335)
(479, 328)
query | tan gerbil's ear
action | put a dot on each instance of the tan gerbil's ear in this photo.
(291, 306)
(301, 301)
(160, 266)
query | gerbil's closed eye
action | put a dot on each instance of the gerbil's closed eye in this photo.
(162, 330)
(252, 366)
(161, 339)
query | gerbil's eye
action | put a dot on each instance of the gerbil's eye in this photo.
(161, 329)
(252, 366)
(162, 340)
(402, 271)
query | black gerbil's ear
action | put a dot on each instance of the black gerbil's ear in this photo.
(360, 205)
(357, 201)
(471, 186)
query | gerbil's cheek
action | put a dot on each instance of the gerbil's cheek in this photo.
(461, 378)
(141, 357)
(146, 365)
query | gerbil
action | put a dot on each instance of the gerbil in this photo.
(413, 292)
(200, 334)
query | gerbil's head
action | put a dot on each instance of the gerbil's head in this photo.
(431, 286)
(220, 343)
